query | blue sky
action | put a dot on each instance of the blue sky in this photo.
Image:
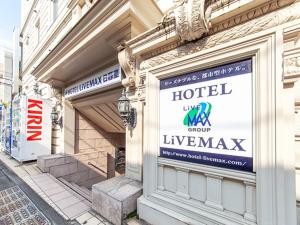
(9, 18)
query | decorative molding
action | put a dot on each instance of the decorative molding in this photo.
(219, 4)
(191, 19)
(208, 171)
(292, 63)
(165, 48)
(250, 213)
(141, 93)
(128, 64)
(270, 20)
(292, 69)
(250, 14)
(168, 25)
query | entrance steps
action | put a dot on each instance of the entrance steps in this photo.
(80, 190)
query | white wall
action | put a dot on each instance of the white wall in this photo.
(39, 22)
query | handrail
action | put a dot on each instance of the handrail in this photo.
(91, 164)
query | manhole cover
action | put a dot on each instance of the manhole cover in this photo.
(17, 209)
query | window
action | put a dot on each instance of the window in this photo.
(54, 10)
(27, 40)
(37, 31)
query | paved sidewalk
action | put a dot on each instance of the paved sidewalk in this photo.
(61, 198)
(20, 205)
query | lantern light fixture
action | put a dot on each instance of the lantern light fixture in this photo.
(127, 112)
(55, 118)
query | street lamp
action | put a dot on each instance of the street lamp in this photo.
(127, 113)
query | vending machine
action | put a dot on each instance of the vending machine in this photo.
(6, 128)
(31, 127)
(3, 120)
(8, 131)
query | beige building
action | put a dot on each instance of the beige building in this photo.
(187, 178)
(70, 55)
(232, 161)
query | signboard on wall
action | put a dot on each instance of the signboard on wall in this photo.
(34, 120)
(206, 117)
(95, 82)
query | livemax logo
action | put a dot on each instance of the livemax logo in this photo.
(34, 120)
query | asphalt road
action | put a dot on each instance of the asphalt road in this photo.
(20, 205)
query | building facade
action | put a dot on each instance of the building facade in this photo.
(6, 70)
(206, 51)
(16, 68)
(70, 55)
(214, 88)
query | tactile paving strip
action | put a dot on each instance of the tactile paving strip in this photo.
(17, 209)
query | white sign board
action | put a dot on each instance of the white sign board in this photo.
(100, 80)
(206, 117)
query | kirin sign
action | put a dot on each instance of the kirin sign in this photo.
(206, 117)
(34, 120)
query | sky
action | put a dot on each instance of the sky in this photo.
(9, 18)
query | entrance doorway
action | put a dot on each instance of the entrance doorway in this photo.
(99, 130)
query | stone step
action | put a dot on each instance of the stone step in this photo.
(82, 191)
(85, 192)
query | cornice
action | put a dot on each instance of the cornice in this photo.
(255, 22)
(190, 19)
(161, 30)
(78, 32)
(216, 5)
(256, 12)
(146, 46)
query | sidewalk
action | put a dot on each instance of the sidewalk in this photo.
(65, 201)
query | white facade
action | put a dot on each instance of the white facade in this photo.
(43, 25)
(182, 191)
(47, 24)
(65, 42)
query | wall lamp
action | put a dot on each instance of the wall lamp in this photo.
(127, 113)
(56, 120)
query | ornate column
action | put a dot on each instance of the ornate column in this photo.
(134, 136)
(191, 18)
(291, 77)
(128, 64)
